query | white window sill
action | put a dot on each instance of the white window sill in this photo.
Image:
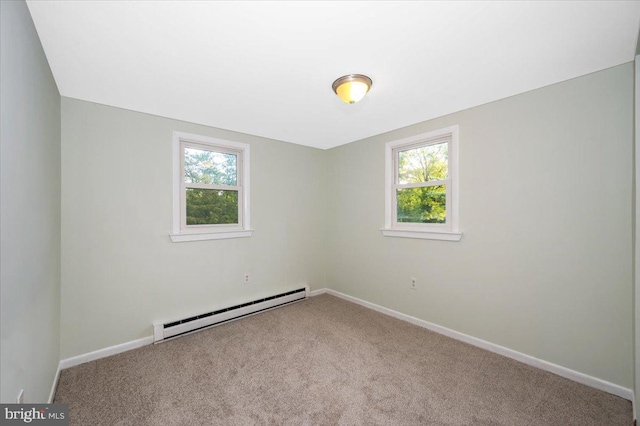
(422, 234)
(181, 238)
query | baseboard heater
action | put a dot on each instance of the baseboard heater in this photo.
(162, 332)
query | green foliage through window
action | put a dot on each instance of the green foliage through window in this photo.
(217, 171)
(211, 206)
(424, 201)
(422, 205)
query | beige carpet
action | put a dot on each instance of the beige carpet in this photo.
(325, 361)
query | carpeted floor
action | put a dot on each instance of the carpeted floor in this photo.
(325, 361)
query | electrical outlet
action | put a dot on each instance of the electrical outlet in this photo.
(20, 398)
(414, 285)
(247, 278)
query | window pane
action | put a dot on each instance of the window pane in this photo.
(218, 168)
(423, 164)
(211, 207)
(422, 205)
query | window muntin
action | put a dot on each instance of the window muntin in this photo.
(211, 188)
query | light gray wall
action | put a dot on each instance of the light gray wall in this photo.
(121, 272)
(545, 263)
(29, 210)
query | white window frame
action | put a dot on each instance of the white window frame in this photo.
(447, 231)
(181, 231)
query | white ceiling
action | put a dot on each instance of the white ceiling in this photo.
(266, 68)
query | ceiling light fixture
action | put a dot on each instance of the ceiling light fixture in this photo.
(352, 88)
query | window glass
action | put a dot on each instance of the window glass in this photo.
(422, 205)
(421, 186)
(423, 164)
(211, 194)
(210, 167)
(211, 206)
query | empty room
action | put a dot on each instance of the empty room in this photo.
(319, 213)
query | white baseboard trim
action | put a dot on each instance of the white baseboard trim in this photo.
(124, 347)
(54, 386)
(102, 353)
(317, 292)
(567, 373)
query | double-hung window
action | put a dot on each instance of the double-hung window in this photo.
(210, 188)
(421, 193)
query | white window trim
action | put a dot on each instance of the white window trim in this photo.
(448, 231)
(213, 232)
